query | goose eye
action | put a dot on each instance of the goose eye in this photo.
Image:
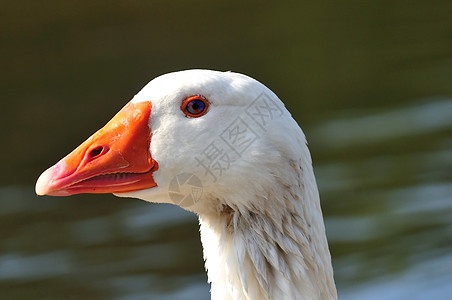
(195, 106)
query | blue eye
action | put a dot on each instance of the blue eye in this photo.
(195, 106)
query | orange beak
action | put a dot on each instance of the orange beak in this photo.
(116, 159)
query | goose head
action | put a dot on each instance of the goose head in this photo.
(187, 138)
(222, 145)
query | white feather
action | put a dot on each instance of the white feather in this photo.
(260, 219)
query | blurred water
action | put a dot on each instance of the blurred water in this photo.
(370, 84)
(394, 210)
(137, 250)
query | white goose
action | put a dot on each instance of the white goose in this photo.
(222, 145)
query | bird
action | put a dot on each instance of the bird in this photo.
(223, 146)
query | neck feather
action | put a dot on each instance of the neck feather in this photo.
(274, 250)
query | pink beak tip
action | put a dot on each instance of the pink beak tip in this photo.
(44, 183)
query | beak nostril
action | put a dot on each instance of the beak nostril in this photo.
(96, 152)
